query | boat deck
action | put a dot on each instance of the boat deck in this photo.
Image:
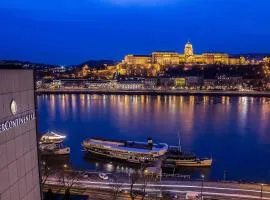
(131, 146)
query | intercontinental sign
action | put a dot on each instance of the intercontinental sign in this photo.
(17, 121)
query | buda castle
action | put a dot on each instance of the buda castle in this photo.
(174, 58)
(158, 62)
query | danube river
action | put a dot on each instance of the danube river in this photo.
(234, 131)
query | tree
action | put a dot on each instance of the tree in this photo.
(67, 194)
(116, 186)
(142, 178)
(45, 171)
(134, 177)
(145, 180)
(67, 179)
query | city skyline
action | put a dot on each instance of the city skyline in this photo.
(71, 32)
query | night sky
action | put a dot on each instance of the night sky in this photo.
(72, 31)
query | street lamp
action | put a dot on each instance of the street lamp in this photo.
(262, 190)
(65, 166)
(202, 176)
(224, 175)
(128, 175)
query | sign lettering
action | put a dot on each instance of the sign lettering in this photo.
(16, 122)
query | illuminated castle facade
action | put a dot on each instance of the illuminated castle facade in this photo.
(174, 58)
(157, 63)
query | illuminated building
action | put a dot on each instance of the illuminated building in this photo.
(243, 61)
(266, 69)
(156, 63)
(137, 59)
(209, 83)
(266, 60)
(104, 73)
(83, 72)
(180, 82)
(188, 51)
(224, 80)
(166, 82)
(193, 81)
(165, 58)
(56, 83)
(150, 82)
(234, 61)
(174, 58)
(215, 58)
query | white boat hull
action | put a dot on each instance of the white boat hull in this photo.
(64, 151)
(56, 151)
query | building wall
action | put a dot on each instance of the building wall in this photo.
(137, 60)
(19, 172)
(165, 58)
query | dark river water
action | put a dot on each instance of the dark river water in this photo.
(235, 131)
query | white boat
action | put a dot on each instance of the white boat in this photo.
(51, 138)
(129, 151)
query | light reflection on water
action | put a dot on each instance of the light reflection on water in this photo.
(234, 130)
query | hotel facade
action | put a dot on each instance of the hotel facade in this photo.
(19, 171)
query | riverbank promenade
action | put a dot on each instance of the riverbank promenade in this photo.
(96, 188)
(153, 92)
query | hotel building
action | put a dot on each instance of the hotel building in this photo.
(19, 171)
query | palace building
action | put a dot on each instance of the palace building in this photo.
(165, 58)
(137, 60)
(158, 62)
(174, 58)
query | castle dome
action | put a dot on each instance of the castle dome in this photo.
(188, 51)
(188, 45)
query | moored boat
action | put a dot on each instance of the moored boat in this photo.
(129, 151)
(176, 157)
(54, 149)
(51, 138)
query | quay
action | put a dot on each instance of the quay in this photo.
(153, 92)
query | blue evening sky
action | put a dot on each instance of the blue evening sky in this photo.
(72, 31)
